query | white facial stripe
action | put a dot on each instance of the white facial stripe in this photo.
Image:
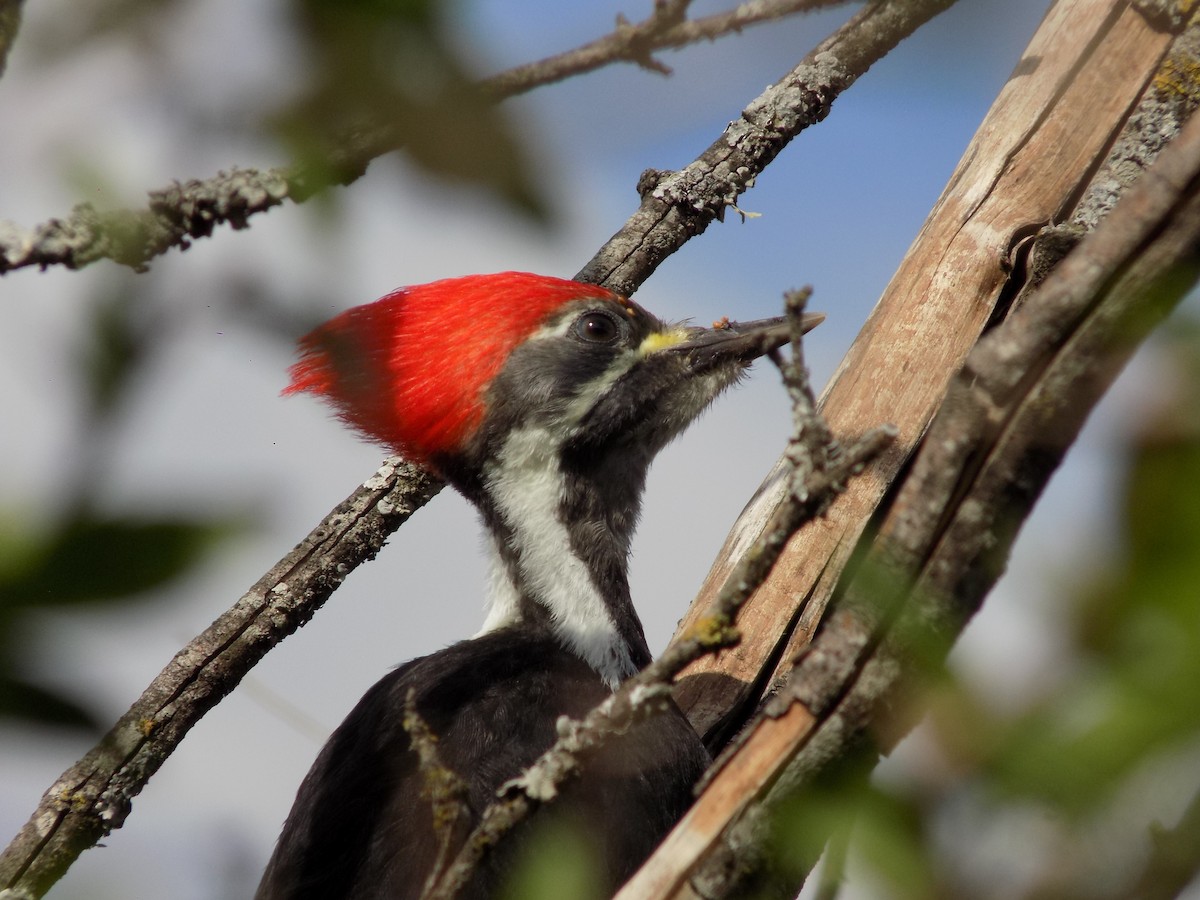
(554, 329)
(652, 343)
(526, 485)
(671, 336)
(591, 393)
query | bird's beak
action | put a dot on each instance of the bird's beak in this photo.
(677, 373)
(744, 342)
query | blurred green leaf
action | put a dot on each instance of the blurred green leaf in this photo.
(85, 560)
(101, 559)
(119, 343)
(886, 831)
(556, 861)
(1138, 690)
(21, 700)
(20, 549)
(384, 74)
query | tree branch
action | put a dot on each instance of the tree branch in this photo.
(94, 796)
(1032, 157)
(676, 206)
(1010, 416)
(665, 28)
(183, 212)
(955, 274)
(445, 790)
(176, 215)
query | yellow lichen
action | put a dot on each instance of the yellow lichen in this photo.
(1179, 76)
(76, 800)
(713, 631)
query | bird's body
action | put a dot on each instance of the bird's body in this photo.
(543, 401)
(493, 703)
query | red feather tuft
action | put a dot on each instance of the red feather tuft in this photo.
(410, 369)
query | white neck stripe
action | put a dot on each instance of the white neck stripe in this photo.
(525, 484)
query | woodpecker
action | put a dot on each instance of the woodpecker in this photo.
(543, 401)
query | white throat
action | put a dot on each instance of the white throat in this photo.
(525, 484)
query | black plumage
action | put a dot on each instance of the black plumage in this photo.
(493, 702)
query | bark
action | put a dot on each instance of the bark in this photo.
(1032, 156)
(945, 530)
(665, 28)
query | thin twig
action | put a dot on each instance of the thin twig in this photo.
(441, 786)
(665, 28)
(185, 211)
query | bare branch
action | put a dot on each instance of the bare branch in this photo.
(665, 28)
(679, 205)
(175, 216)
(1027, 388)
(1168, 102)
(183, 212)
(955, 272)
(445, 790)
(1032, 156)
(93, 797)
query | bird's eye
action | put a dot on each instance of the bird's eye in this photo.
(597, 328)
